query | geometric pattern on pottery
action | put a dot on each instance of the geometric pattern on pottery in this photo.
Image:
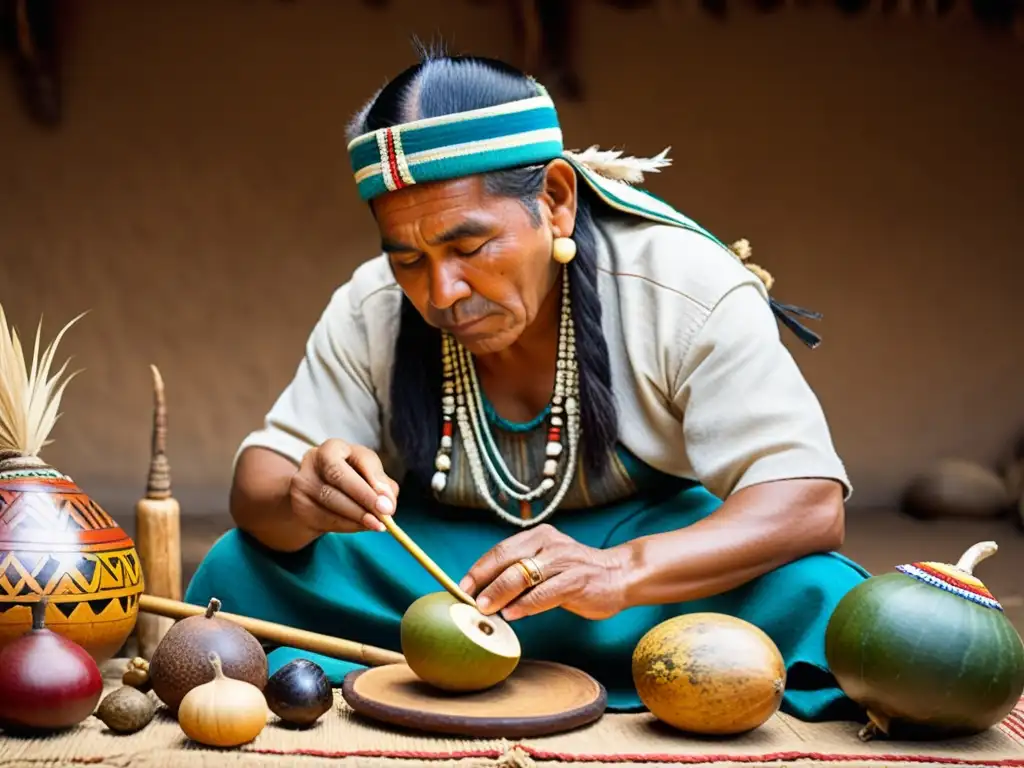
(56, 541)
(113, 574)
(48, 508)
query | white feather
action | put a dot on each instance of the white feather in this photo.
(611, 164)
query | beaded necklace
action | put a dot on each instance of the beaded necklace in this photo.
(462, 398)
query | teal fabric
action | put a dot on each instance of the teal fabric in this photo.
(357, 586)
(495, 419)
(477, 141)
(466, 164)
(458, 132)
(363, 151)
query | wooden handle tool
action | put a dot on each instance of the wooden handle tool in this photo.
(158, 529)
(424, 559)
(302, 639)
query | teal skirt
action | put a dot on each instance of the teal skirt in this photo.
(357, 586)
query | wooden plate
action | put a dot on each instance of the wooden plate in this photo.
(539, 698)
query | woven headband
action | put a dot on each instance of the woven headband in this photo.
(515, 134)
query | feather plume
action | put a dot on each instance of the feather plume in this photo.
(611, 164)
(29, 397)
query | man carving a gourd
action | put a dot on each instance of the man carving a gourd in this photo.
(571, 396)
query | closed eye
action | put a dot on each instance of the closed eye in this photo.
(474, 251)
(407, 258)
(406, 263)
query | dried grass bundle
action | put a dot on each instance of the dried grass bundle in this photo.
(29, 396)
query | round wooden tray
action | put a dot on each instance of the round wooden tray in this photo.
(539, 698)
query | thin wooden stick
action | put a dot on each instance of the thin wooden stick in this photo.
(302, 639)
(424, 559)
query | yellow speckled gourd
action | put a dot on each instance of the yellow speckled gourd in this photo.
(709, 673)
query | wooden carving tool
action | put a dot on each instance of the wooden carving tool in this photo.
(158, 529)
(424, 559)
(304, 640)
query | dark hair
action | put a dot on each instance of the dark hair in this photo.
(441, 85)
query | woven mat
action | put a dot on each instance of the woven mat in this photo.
(343, 738)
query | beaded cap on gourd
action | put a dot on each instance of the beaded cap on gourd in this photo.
(951, 579)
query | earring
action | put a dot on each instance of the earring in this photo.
(563, 249)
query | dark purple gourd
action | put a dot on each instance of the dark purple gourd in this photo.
(927, 650)
(299, 692)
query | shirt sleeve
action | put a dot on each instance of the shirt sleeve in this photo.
(749, 416)
(331, 394)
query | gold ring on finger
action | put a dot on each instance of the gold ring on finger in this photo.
(534, 575)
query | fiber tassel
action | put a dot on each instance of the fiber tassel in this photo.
(802, 332)
(741, 250)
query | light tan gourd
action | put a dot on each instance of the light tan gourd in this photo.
(223, 712)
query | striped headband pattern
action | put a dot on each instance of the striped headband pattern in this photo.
(450, 146)
(510, 135)
(490, 139)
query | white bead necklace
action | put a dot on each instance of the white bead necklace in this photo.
(462, 398)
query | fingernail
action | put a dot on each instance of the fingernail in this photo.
(483, 603)
(384, 505)
(466, 585)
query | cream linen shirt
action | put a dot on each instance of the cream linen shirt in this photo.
(705, 388)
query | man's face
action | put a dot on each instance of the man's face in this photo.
(474, 264)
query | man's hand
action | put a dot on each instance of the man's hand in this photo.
(342, 488)
(586, 581)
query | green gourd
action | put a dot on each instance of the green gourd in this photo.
(927, 650)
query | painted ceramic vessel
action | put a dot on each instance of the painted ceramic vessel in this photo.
(58, 542)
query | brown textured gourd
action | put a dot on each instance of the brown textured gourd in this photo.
(182, 660)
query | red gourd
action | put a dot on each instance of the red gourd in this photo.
(47, 682)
